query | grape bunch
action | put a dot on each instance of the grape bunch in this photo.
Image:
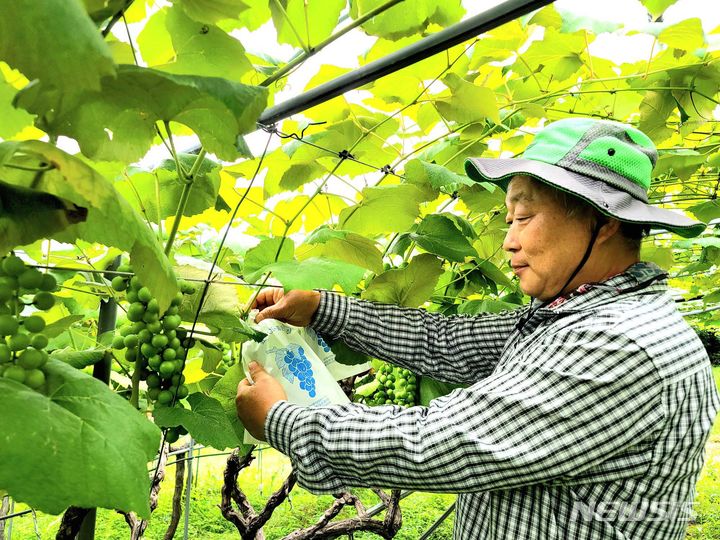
(395, 386)
(22, 343)
(299, 366)
(154, 343)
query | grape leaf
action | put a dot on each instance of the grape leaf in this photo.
(79, 359)
(56, 43)
(27, 215)
(657, 7)
(110, 220)
(13, 120)
(468, 102)
(265, 253)
(383, 209)
(225, 391)
(408, 18)
(409, 286)
(432, 389)
(686, 35)
(343, 245)
(118, 123)
(304, 24)
(145, 189)
(203, 49)
(438, 234)
(80, 445)
(440, 178)
(317, 273)
(206, 422)
(211, 11)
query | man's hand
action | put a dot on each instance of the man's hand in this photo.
(296, 307)
(253, 402)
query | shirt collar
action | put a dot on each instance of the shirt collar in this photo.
(637, 276)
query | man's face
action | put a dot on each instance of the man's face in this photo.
(545, 245)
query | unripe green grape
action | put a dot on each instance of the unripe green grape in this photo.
(155, 361)
(171, 334)
(171, 435)
(150, 317)
(169, 354)
(30, 279)
(131, 296)
(182, 392)
(6, 292)
(153, 380)
(172, 310)
(119, 283)
(144, 295)
(15, 373)
(171, 322)
(31, 359)
(48, 283)
(13, 265)
(118, 342)
(125, 268)
(6, 309)
(34, 324)
(44, 300)
(5, 353)
(34, 378)
(8, 325)
(145, 335)
(147, 350)
(167, 369)
(155, 327)
(153, 306)
(153, 393)
(174, 343)
(10, 282)
(177, 300)
(159, 341)
(138, 327)
(125, 330)
(135, 312)
(131, 355)
(39, 341)
(18, 342)
(135, 283)
(165, 397)
(177, 379)
(130, 341)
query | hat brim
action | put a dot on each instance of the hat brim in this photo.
(605, 198)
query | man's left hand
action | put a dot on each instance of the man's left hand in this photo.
(254, 401)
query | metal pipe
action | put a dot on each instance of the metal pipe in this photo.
(433, 44)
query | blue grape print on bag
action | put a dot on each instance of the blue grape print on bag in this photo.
(293, 363)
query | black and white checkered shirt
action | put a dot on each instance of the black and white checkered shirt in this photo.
(588, 421)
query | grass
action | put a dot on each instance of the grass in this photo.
(420, 510)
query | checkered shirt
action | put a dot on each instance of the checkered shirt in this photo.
(588, 420)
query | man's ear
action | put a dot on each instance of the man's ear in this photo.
(610, 228)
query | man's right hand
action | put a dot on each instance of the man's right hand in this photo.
(296, 307)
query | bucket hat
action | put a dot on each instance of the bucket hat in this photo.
(606, 164)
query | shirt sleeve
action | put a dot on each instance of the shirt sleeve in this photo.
(458, 348)
(562, 409)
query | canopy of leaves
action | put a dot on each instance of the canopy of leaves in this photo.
(55, 438)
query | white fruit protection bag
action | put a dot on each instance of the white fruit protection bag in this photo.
(300, 360)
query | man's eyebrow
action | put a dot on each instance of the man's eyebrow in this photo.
(520, 196)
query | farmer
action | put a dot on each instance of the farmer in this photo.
(586, 412)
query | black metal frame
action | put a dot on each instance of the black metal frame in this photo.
(433, 44)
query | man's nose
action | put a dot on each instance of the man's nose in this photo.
(511, 243)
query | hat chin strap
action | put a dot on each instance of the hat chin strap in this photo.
(588, 251)
(525, 318)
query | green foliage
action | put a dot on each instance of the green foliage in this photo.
(80, 58)
(410, 286)
(80, 421)
(206, 421)
(711, 342)
(118, 122)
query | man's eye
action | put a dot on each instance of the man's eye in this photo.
(521, 218)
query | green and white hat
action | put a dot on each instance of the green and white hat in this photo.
(607, 164)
